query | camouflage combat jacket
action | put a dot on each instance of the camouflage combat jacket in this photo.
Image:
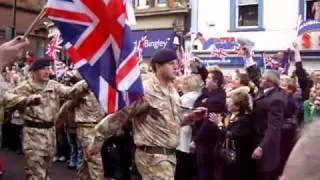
(36, 139)
(156, 118)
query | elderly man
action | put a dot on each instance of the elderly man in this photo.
(38, 100)
(155, 118)
(268, 116)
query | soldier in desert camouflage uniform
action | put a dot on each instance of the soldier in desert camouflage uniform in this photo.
(38, 101)
(87, 114)
(156, 121)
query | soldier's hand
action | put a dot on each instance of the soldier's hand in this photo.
(34, 100)
(10, 51)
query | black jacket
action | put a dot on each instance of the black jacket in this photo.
(239, 130)
(268, 117)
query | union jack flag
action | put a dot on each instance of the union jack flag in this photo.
(54, 47)
(97, 38)
(270, 63)
(221, 53)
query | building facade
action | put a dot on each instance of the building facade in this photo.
(271, 24)
(26, 12)
(159, 21)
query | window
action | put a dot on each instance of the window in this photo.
(306, 9)
(161, 3)
(309, 13)
(141, 4)
(246, 15)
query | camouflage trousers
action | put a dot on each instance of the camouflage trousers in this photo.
(91, 167)
(155, 166)
(37, 167)
(39, 149)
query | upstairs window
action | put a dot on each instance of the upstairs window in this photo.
(247, 13)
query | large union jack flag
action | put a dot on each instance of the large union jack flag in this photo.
(97, 37)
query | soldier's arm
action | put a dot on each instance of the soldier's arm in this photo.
(77, 90)
(15, 101)
(108, 126)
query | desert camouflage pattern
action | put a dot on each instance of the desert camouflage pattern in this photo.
(39, 142)
(88, 110)
(156, 118)
(91, 167)
(37, 167)
(155, 166)
(156, 121)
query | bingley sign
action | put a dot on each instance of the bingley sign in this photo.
(155, 39)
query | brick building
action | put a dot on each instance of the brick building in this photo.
(26, 11)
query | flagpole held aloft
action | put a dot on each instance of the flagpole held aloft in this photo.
(35, 22)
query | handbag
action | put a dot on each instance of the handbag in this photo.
(227, 152)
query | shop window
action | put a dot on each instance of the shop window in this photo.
(141, 4)
(246, 14)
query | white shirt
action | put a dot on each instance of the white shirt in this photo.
(187, 100)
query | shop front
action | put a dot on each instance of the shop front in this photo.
(153, 40)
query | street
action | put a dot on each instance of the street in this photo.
(14, 167)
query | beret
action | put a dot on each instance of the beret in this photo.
(39, 63)
(163, 56)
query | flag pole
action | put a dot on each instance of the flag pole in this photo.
(35, 22)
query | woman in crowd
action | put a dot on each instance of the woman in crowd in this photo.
(191, 89)
(235, 138)
(204, 134)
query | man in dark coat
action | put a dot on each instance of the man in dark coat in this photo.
(268, 116)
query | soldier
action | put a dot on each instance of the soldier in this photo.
(9, 52)
(87, 114)
(38, 100)
(156, 121)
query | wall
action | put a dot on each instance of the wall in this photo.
(279, 21)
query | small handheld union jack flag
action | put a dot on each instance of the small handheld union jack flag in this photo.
(97, 38)
(54, 47)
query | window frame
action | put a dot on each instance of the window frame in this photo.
(303, 9)
(234, 17)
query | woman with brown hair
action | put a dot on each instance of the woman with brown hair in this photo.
(234, 147)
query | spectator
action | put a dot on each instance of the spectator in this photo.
(235, 135)
(268, 115)
(185, 157)
(205, 135)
